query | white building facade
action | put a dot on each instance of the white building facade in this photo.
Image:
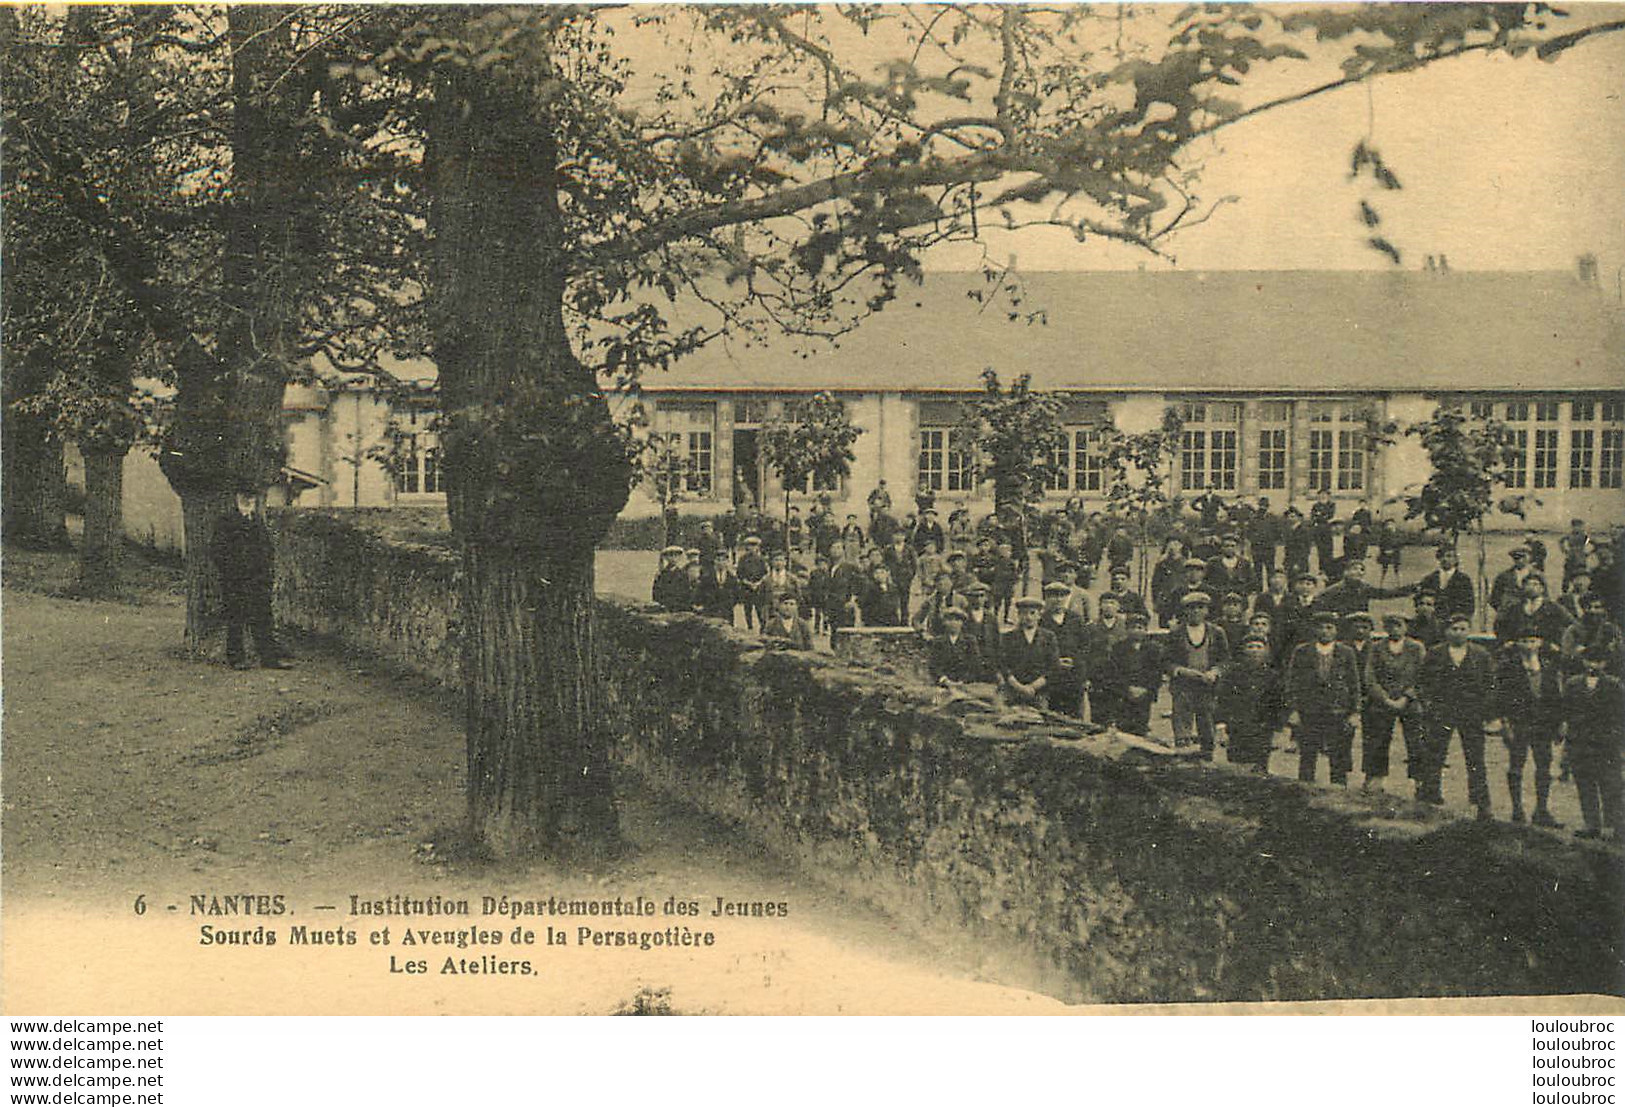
(1286, 384)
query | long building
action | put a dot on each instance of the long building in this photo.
(1279, 377)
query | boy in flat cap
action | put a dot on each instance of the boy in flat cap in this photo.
(1132, 677)
(1194, 651)
(1247, 705)
(752, 575)
(1128, 600)
(1392, 670)
(1530, 686)
(1459, 698)
(1323, 701)
(1027, 655)
(787, 625)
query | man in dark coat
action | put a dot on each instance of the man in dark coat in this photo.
(928, 534)
(1352, 593)
(1457, 685)
(1230, 571)
(670, 588)
(1296, 542)
(1593, 631)
(718, 590)
(1275, 599)
(1064, 691)
(954, 656)
(244, 562)
(1531, 611)
(880, 601)
(1450, 585)
(1530, 685)
(1593, 714)
(751, 573)
(1099, 638)
(1297, 622)
(1028, 655)
(1128, 600)
(982, 624)
(787, 625)
(1323, 698)
(1424, 625)
(1507, 587)
(1322, 526)
(1262, 531)
(904, 565)
(846, 583)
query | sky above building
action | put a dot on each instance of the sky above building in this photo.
(1507, 163)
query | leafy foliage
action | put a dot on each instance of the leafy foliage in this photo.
(811, 441)
(662, 462)
(1139, 466)
(1470, 459)
(1013, 435)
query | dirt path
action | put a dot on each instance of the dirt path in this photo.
(130, 771)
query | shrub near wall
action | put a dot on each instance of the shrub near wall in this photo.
(1088, 866)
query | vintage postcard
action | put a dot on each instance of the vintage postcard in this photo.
(912, 509)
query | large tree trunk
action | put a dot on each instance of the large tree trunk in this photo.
(34, 484)
(100, 553)
(200, 508)
(227, 433)
(535, 473)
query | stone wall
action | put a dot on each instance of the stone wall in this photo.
(1094, 867)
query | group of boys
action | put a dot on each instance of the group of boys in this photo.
(1282, 654)
(857, 575)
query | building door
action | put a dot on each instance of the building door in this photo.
(747, 468)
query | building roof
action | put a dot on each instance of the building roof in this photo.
(1278, 332)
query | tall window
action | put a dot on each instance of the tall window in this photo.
(1274, 440)
(697, 463)
(1088, 463)
(690, 427)
(1518, 443)
(1582, 447)
(944, 467)
(1611, 441)
(1272, 464)
(1545, 457)
(419, 469)
(1337, 447)
(1079, 464)
(1060, 475)
(1208, 447)
(1481, 410)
